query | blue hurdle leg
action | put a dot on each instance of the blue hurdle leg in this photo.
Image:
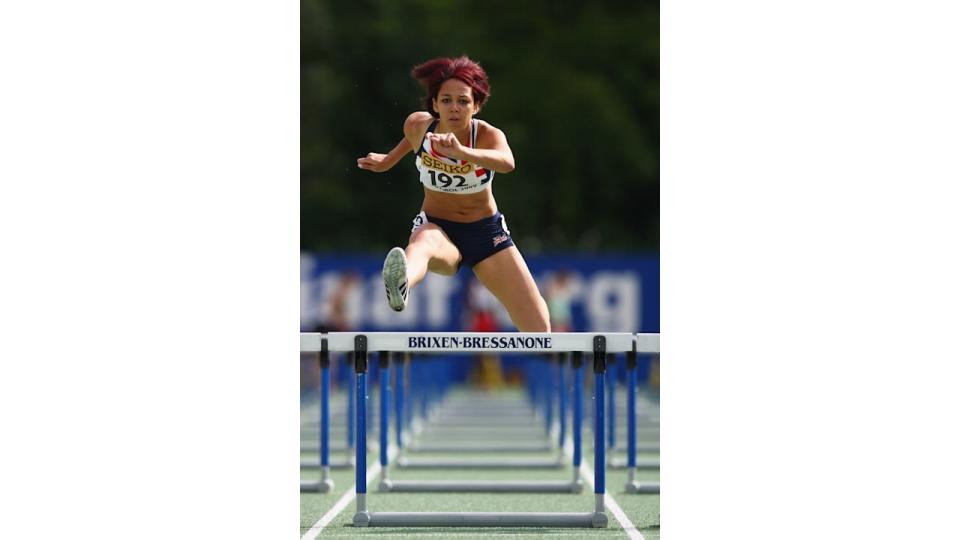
(326, 483)
(352, 410)
(362, 517)
(361, 442)
(577, 414)
(631, 418)
(324, 416)
(547, 396)
(384, 411)
(599, 461)
(398, 412)
(611, 410)
(562, 388)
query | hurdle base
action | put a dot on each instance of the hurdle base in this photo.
(481, 519)
(408, 463)
(362, 519)
(316, 464)
(538, 448)
(316, 486)
(643, 487)
(648, 464)
(480, 486)
(599, 520)
(646, 448)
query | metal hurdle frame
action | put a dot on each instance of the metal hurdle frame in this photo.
(631, 426)
(480, 486)
(325, 484)
(459, 486)
(360, 343)
(631, 461)
(405, 462)
(575, 485)
(445, 422)
(645, 343)
(535, 445)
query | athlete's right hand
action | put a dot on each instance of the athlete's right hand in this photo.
(373, 162)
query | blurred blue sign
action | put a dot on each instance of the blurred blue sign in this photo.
(594, 293)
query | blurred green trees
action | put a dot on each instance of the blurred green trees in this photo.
(575, 87)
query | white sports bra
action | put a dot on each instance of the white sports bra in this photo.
(440, 173)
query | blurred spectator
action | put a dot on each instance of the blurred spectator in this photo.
(560, 290)
(480, 309)
(655, 375)
(345, 303)
(339, 314)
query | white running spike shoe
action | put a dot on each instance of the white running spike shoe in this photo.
(395, 278)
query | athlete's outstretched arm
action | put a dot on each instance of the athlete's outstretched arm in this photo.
(384, 162)
(495, 154)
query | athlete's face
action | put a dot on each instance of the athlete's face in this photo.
(454, 103)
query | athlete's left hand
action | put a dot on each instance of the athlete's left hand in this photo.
(447, 144)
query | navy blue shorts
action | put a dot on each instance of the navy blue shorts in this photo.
(476, 241)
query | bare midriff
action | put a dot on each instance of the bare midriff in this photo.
(462, 208)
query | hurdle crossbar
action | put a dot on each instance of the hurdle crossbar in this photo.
(481, 447)
(645, 464)
(315, 463)
(515, 463)
(646, 488)
(360, 343)
(470, 342)
(481, 486)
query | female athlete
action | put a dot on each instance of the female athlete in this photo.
(457, 156)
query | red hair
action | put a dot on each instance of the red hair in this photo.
(432, 73)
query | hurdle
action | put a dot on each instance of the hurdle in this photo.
(457, 430)
(573, 486)
(640, 432)
(647, 344)
(472, 420)
(360, 343)
(325, 484)
(612, 448)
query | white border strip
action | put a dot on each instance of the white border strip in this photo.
(346, 499)
(467, 342)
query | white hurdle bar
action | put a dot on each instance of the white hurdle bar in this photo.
(440, 342)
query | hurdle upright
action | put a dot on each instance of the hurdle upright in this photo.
(649, 344)
(325, 484)
(439, 342)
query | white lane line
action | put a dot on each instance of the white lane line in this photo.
(586, 472)
(628, 527)
(346, 499)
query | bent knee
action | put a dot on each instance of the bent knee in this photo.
(444, 268)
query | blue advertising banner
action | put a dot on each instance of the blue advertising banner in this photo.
(584, 293)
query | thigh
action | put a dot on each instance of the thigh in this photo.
(443, 255)
(506, 275)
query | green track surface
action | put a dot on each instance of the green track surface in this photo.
(642, 510)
